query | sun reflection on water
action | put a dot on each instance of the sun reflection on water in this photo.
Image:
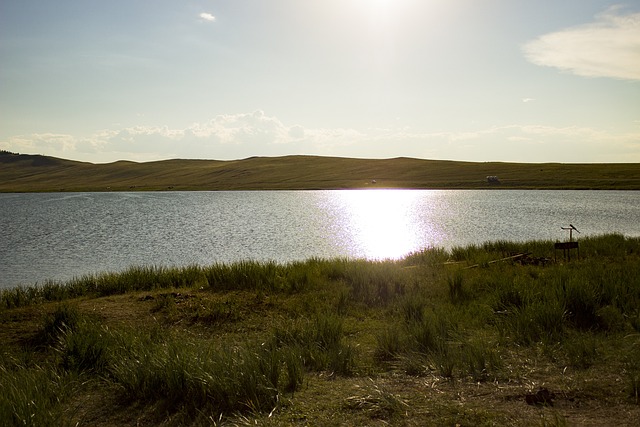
(383, 224)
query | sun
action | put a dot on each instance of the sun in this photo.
(375, 6)
(380, 3)
(385, 13)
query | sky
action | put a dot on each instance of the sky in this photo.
(470, 80)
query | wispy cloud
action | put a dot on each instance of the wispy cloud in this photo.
(608, 47)
(206, 16)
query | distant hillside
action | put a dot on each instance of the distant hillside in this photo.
(25, 173)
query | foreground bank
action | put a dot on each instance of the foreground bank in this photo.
(501, 333)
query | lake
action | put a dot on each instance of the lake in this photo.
(56, 236)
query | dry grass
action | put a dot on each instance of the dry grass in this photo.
(22, 173)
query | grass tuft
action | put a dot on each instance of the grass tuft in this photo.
(33, 396)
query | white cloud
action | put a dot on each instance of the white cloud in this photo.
(296, 132)
(42, 143)
(205, 16)
(235, 136)
(609, 47)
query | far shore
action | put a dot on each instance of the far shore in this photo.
(34, 173)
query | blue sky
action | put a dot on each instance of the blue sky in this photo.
(475, 80)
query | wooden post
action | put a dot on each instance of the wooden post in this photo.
(567, 246)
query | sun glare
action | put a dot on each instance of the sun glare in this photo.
(385, 18)
(380, 3)
(374, 8)
(382, 224)
(387, 5)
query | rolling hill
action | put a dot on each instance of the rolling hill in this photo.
(28, 173)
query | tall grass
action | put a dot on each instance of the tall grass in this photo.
(609, 246)
(457, 290)
(143, 278)
(540, 321)
(319, 342)
(243, 275)
(187, 376)
(369, 282)
(33, 391)
(581, 350)
(200, 378)
(33, 396)
(375, 283)
(63, 319)
(87, 348)
(431, 339)
(530, 305)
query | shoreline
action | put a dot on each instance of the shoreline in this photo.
(142, 190)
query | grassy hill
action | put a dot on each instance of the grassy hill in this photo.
(24, 173)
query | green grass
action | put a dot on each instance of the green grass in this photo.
(192, 378)
(34, 396)
(422, 340)
(22, 173)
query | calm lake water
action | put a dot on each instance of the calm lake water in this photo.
(61, 235)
